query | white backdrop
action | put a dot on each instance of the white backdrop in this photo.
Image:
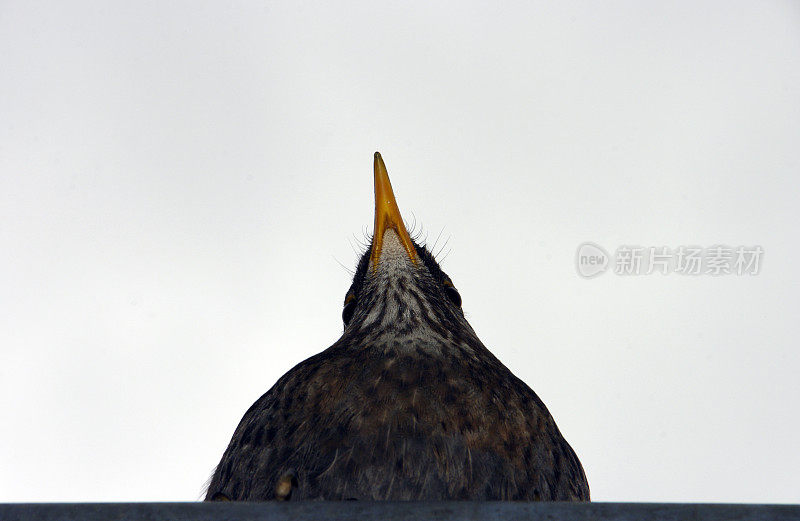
(178, 182)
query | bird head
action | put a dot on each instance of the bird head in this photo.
(398, 288)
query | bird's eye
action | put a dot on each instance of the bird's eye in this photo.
(452, 292)
(349, 308)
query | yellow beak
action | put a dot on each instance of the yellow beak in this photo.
(387, 215)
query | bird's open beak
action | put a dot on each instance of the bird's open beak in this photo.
(387, 215)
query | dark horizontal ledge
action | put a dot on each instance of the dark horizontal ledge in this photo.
(390, 511)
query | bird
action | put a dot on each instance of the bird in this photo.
(408, 404)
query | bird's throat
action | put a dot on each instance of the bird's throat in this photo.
(392, 256)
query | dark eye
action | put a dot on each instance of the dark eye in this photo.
(349, 308)
(452, 292)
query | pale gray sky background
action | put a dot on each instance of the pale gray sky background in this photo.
(178, 180)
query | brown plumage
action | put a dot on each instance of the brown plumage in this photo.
(407, 404)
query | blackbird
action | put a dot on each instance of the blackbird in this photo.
(407, 405)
